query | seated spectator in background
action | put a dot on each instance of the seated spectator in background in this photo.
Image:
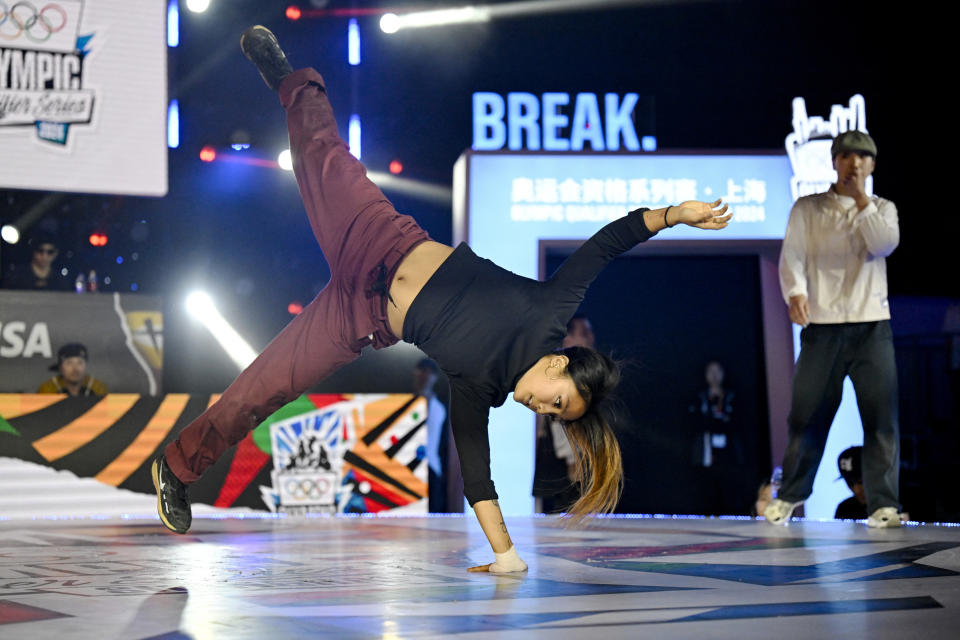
(854, 507)
(41, 274)
(72, 377)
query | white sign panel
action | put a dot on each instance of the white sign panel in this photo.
(808, 145)
(83, 92)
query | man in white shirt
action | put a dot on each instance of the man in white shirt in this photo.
(833, 277)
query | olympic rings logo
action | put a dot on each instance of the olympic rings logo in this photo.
(304, 489)
(37, 25)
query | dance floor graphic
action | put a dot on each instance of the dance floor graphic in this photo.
(350, 453)
(357, 577)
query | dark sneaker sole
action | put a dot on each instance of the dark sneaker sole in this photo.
(155, 474)
(260, 46)
(253, 32)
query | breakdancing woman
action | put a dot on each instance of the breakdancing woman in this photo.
(491, 331)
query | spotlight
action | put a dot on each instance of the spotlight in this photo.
(173, 124)
(294, 308)
(98, 239)
(200, 305)
(293, 12)
(389, 23)
(173, 23)
(10, 234)
(396, 167)
(353, 42)
(285, 160)
(208, 154)
(198, 6)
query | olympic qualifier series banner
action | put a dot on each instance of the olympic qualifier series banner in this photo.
(123, 334)
(83, 96)
(324, 453)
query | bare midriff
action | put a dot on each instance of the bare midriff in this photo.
(412, 274)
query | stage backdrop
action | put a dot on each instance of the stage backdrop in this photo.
(123, 334)
(83, 96)
(326, 453)
(505, 204)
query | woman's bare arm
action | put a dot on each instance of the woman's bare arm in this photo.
(493, 525)
(491, 521)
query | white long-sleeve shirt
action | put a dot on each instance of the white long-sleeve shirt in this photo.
(835, 256)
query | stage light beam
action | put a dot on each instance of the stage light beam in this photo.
(285, 160)
(391, 22)
(201, 307)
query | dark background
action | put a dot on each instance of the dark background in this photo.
(664, 348)
(713, 75)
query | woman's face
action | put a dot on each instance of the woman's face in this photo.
(714, 374)
(546, 390)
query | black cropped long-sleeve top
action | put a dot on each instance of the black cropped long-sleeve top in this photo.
(485, 326)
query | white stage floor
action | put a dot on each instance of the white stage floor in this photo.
(406, 578)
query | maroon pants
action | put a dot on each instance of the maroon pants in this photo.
(363, 239)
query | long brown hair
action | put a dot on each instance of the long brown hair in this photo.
(599, 467)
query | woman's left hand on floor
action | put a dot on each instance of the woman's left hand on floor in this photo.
(507, 562)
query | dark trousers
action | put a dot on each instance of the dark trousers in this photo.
(828, 354)
(363, 239)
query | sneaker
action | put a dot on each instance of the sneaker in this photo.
(779, 511)
(172, 503)
(262, 49)
(883, 518)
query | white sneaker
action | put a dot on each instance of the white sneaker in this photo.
(779, 511)
(883, 518)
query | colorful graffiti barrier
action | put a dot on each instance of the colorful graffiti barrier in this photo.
(327, 453)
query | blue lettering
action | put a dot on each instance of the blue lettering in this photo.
(553, 120)
(587, 124)
(488, 112)
(523, 111)
(515, 122)
(618, 120)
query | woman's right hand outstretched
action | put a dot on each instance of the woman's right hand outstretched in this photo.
(703, 215)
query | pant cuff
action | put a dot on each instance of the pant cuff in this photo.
(296, 80)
